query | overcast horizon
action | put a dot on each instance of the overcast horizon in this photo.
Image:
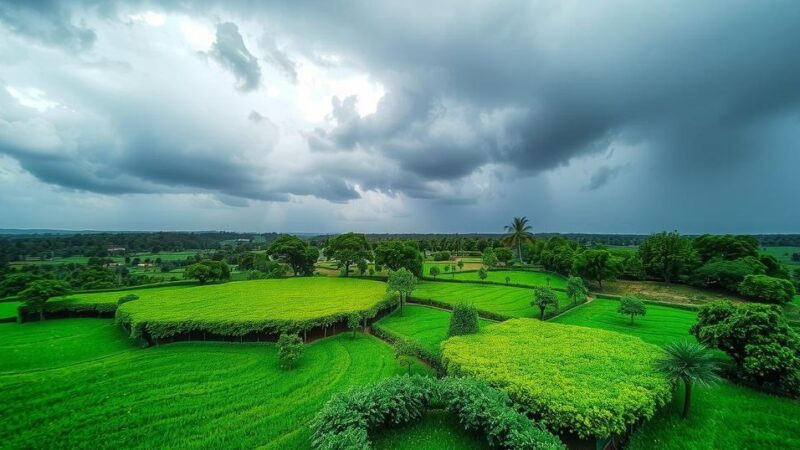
(622, 118)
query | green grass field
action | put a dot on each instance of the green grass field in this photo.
(505, 300)
(661, 324)
(424, 325)
(783, 254)
(517, 277)
(165, 256)
(8, 309)
(436, 430)
(724, 416)
(186, 395)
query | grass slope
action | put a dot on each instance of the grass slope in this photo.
(505, 300)
(660, 325)
(215, 395)
(427, 326)
(517, 277)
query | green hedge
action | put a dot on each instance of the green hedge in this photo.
(347, 419)
(444, 305)
(499, 283)
(590, 382)
(432, 358)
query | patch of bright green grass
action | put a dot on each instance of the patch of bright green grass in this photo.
(723, 416)
(427, 326)
(8, 309)
(782, 254)
(436, 430)
(661, 324)
(185, 395)
(516, 277)
(57, 343)
(505, 300)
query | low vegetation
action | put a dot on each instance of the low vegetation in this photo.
(498, 300)
(593, 383)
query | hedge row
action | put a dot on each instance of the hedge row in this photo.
(444, 305)
(499, 283)
(432, 358)
(347, 419)
(163, 329)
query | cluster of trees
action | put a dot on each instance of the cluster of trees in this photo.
(764, 349)
(205, 271)
(18, 247)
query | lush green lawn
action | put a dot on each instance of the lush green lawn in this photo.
(660, 325)
(186, 395)
(8, 309)
(505, 300)
(517, 277)
(427, 326)
(726, 416)
(57, 343)
(436, 430)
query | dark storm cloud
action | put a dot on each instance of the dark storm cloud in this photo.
(46, 22)
(230, 51)
(603, 175)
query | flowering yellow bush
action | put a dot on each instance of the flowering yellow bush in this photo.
(591, 382)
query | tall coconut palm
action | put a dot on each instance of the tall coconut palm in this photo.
(518, 232)
(691, 363)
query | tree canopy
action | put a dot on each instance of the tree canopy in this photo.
(296, 253)
(348, 248)
(396, 254)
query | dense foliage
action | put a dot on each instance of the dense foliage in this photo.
(544, 298)
(464, 320)
(764, 348)
(347, 419)
(296, 253)
(205, 271)
(290, 348)
(597, 264)
(667, 255)
(395, 255)
(402, 282)
(767, 289)
(38, 292)
(631, 306)
(348, 249)
(581, 380)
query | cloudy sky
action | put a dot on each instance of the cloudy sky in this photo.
(612, 116)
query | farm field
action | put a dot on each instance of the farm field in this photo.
(663, 292)
(424, 325)
(8, 309)
(469, 264)
(661, 325)
(783, 254)
(165, 256)
(185, 395)
(516, 276)
(504, 300)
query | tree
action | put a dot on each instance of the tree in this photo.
(348, 248)
(295, 252)
(397, 254)
(482, 273)
(690, 363)
(508, 279)
(460, 264)
(489, 258)
(447, 268)
(38, 292)
(767, 289)
(631, 306)
(765, 350)
(503, 255)
(667, 255)
(576, 289)
(290, 348)
(544, 298)
(726, 247)
(597, 265)
(403, 282)
(464, 320)
(208, 270)
(434, 271)
(362, 266)
(727, 274)
(353, 322)
(406, 351)
(518, 232)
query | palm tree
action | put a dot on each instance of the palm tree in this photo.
(518, 231)
(691, 363)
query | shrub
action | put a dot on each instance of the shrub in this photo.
(590, 382)
(353, 322)
(544, 298)
(767, 289)
(631, 306)
(434, 271)
(764, 349)
(345, 421)
(464, 320)
(441, 256)
(290, 348)
(127, 298)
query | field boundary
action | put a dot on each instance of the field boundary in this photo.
(496, 283)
